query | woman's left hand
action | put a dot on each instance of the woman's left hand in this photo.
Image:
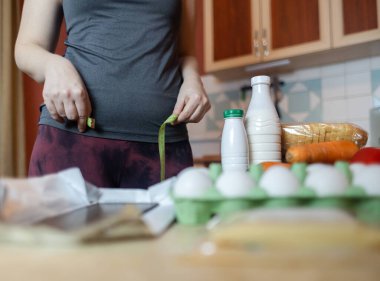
(192, 102)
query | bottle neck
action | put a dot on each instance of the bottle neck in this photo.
(261, 106)
(261, 96)
(233, 118)
(260, 89)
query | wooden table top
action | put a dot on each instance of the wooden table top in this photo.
(180, 254)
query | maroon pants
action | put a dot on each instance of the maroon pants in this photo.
(106, 162)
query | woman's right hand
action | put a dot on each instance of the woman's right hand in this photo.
(64, 92)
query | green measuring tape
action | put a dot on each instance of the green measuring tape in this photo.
(91, 122)
(161, 143)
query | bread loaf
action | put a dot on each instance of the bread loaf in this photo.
(305, 133)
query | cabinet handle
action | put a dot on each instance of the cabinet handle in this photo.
(264, 42)
(256, 44)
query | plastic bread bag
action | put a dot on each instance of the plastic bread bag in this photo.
(306, 133)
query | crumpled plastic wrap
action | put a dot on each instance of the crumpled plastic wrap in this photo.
(305, 133)
(24, 203)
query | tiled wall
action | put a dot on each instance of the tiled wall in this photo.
(342, 92)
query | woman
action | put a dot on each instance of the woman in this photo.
(128, 65)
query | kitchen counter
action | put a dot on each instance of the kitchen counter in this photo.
(177, 255)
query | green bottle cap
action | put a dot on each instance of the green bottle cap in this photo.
(233, 113)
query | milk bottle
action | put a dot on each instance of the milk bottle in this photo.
(234, 144)
(263, 124)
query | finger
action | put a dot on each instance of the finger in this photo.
(53, 111)
(82, 122)
(197, 115)
(200, 111)
(188, 110)
(178, 106)
(60, 108)
(207, 105)
(177, 109)
(71, 110)
(83, 107)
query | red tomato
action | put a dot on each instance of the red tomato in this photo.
(367, 155)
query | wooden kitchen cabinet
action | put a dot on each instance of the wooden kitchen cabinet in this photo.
(238, 33)
(248, 32)
(355, 21)
(294, 27)
(230, 33)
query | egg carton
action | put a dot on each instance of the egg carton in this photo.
(200, 193)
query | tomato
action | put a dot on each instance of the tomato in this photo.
(367, 155)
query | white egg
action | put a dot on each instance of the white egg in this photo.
(192, 183)
(357, 168)
(316, 167)
(279, 181)
(235, 183)
(368, 177)
(327, 181)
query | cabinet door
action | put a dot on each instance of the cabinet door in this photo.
(355, 21)
(294, 27)
(231, 33)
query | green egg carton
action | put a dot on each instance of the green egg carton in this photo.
(195, 211)
(368, 210)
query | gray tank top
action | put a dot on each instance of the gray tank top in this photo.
(126, 53)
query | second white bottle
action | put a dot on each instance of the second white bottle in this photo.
(234, 146)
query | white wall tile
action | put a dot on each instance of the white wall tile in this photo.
(376, 101)
(363, 123)
(375, 62)
(289, 77)
(308, 73)
(358, 84)
(334, 110)
(356, 66)
(332, 70)
(332, 87)
(358, 107)
(375, 124)
(213, 85)
(369, 141)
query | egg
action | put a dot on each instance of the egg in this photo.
(326, 181)
(368, 177)
(357, 168)
(316, 167)
(234, 184)
(279, 181)
(192, 183)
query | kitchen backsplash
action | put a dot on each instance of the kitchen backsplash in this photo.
(342, 92)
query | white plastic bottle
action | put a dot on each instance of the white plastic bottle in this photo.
(374, 126)
(234, 146)
(263, 124)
